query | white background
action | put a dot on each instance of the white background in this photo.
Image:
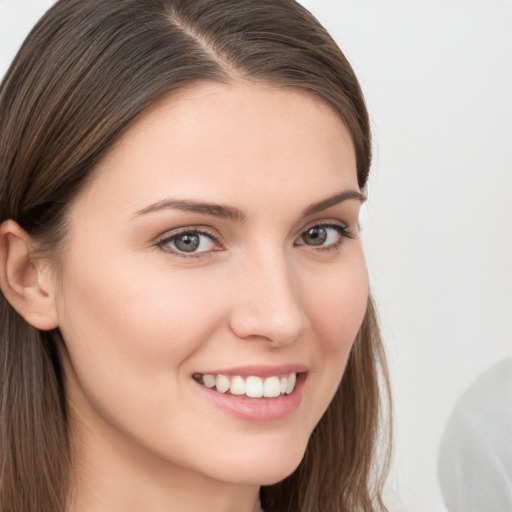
(437, 76)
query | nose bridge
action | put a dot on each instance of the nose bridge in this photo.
(267, 303)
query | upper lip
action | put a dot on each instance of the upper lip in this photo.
(258, 370)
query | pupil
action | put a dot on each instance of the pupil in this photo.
(315, 236)
(187, 243)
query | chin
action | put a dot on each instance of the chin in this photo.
(277, 476)
(263, 466)
(269, 475)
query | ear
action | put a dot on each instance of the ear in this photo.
(25, 282)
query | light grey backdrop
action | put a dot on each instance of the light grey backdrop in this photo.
(437, 76)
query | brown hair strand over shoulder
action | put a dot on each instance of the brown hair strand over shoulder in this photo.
(87, 70)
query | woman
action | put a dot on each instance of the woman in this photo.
(183, 281)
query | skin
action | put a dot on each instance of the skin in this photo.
(139, 319)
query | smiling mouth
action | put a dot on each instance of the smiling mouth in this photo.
(250, 386)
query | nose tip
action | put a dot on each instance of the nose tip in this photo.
(269, 308)
(278, 328)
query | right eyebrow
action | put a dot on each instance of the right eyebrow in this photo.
(334, 200)
(203, 208)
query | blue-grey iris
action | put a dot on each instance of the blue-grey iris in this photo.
(315, 236)
(187, 242)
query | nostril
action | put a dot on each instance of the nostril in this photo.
(273, 326)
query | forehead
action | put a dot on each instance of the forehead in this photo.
(232, 140)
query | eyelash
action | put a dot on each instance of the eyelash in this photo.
(344, 232)
(163, 243)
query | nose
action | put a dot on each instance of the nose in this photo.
(267, 302)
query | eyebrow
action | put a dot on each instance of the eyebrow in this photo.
(235, 214)
(332, 201)
(203, 208)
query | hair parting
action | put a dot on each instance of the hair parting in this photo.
(87, 70)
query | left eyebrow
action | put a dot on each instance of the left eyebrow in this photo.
(333, 200)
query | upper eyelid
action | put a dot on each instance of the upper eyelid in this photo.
(215, 235)
(201, 230)
(210, 231)
(323, 222)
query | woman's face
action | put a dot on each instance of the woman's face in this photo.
(216, 245)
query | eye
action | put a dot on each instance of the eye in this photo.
(325, 236)
(189, 242)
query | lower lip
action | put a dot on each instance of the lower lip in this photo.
(258, 409)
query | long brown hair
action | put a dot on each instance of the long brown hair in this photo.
(87, 70)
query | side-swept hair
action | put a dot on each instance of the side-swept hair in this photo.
(87, 70)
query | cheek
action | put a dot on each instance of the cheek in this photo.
(129, 314)
(336, 309)
(127, 333)
(337, 305)
(130, 337)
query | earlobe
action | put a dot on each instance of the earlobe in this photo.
(24, 281)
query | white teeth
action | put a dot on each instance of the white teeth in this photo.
(254, 387)
(209, 381)
(283, 384)
(222, 383)
(291, 383)
(237, 386)
(271, 387)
